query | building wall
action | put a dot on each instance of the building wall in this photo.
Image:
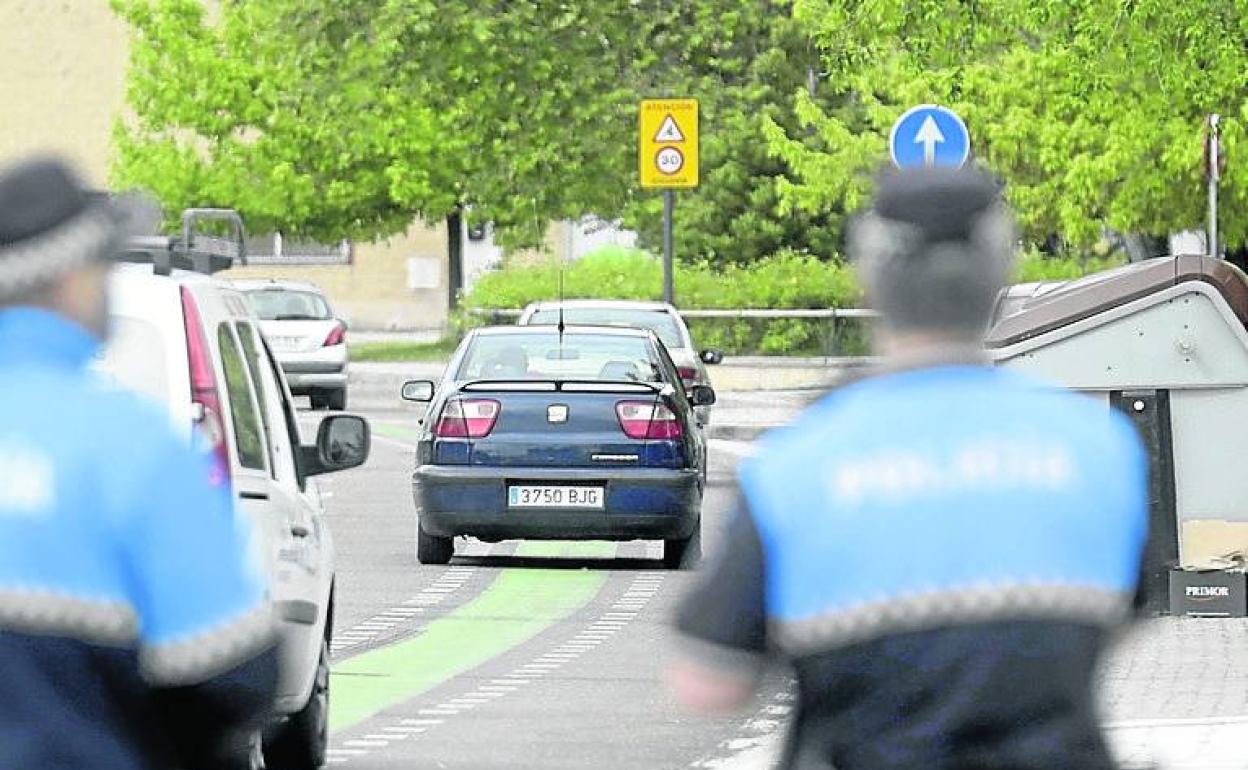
(378, 290)
(62, 86)
(61, 80)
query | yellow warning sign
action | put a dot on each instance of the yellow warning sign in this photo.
(668, 146)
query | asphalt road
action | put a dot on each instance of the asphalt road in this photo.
(516, 655)
(548, 655)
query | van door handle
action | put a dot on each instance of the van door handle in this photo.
(299, 530)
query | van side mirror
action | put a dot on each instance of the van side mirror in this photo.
(711, 356)
(701, 395)
(343, 441)
(417, 390)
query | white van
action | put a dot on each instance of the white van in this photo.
(192, 343)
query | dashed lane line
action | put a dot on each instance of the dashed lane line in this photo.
(609, 622)
(516, 606)
(391, 619)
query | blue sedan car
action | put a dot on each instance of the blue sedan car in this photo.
(584, 433)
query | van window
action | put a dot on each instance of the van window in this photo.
(248, 435)
(248, 337)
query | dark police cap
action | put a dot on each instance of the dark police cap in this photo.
(944, 204)
(50, 224)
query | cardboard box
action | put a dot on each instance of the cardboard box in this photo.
(1208, 594)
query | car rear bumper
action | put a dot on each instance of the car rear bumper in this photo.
(302, 383)
(324, 368)
(640, 503)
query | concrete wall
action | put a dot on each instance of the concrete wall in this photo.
(61, 80)
(378, 291)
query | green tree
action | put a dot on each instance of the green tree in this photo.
(1091, 110)
(345, 118)
(743, 62)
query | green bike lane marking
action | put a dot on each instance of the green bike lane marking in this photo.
(518, 605)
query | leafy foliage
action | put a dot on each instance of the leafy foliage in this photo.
(1091, 110)
(344, 118)
(784, 281)
(743, 61)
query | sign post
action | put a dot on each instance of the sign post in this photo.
(929, 135)
(1213, 172)
(668, 160)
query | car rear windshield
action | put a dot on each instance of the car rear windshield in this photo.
(289, 305)
(545, 356)
(658, 321)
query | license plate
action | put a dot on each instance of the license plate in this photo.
(286, 343)
(533, 496)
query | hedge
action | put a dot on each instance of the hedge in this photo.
(787, 280)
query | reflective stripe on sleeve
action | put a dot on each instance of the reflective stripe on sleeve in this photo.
(52, 613)
(193, 659)
(937, 609)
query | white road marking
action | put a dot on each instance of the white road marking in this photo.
(615, 618)
(451, 580)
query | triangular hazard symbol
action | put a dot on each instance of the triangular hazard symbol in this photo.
(669, 131)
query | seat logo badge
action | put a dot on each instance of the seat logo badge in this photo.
(556, 413)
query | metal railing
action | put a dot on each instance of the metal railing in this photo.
(832, 342)
(848, 312)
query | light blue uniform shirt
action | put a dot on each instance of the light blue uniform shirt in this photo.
(946, 495)
(110, 532)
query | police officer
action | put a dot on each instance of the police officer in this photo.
(134, 630)
(940, 550)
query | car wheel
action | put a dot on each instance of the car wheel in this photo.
(431, 549)
(684, 553)
(300, 742)
(337, 400)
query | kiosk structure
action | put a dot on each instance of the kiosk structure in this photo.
(1164, 341)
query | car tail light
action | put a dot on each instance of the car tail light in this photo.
(688, 374)
(467, 418)
(648, 420)
(204, 394)
(337, 336)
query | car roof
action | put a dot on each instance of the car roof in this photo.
(251, 284)
(133, 271)
(612, 331)
(617, 304)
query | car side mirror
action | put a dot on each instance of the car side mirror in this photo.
(418, 390)
(711, 356)
(343, 441)
(701, 395)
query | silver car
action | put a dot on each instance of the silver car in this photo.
(659, 317)
(310, 342)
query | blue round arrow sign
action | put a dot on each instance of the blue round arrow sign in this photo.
(929, 135)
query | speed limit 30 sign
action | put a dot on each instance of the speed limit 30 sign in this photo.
(668, 143)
